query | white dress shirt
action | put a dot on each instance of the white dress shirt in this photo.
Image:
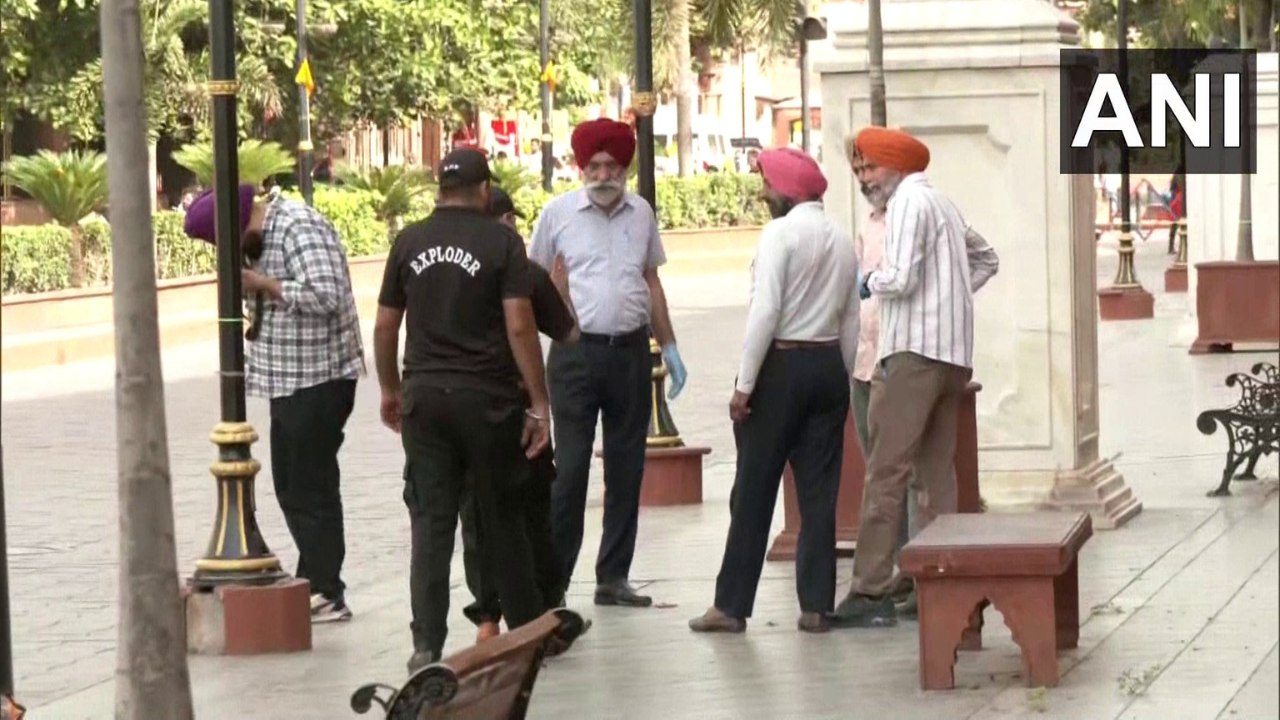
(933, 263)
(803, 288)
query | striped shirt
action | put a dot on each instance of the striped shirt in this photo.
(607, 255)
(933, 263)
(311, 336)
(804, 287)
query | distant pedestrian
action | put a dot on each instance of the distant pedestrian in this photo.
(305, 360)
(609, 240)
(792, 394)
(462, 282)
(933, 263)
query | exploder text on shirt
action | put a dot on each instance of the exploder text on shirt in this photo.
(449, 254)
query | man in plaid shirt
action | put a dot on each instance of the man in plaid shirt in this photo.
(305, 361)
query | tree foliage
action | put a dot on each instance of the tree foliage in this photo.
(255, 160)
(1182, 23)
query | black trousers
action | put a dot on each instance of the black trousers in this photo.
(460, 444)
(798, 410)
(587, 380)
(537, 522)
(306, 433)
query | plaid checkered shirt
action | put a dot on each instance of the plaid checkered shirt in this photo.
(313, 335)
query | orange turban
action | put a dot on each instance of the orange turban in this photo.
(890, 147)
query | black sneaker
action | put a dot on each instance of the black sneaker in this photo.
(908, 609)
(324, 610)
(860, 611)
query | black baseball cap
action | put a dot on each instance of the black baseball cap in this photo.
(500, 203)
(463, 167)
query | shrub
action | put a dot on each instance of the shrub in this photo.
(37, 258)
(256, 161)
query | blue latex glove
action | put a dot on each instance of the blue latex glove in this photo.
(675, 370)
(864, 292)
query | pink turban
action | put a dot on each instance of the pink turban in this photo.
(793, 173)
(603, 135)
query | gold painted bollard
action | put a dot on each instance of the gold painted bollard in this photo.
(662, 428)
(236, 552)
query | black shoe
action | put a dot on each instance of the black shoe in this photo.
(860, 611)
(621, 593)
(421, 659)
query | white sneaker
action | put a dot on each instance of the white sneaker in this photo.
(328, 611)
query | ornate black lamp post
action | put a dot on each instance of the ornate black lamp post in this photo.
(236, 553)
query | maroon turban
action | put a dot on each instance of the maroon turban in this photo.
(793, 173)
(603, 135)
(199, 223)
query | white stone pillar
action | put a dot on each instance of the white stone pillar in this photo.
(977, 81)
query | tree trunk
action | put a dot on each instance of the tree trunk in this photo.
(875, 70)
(684, 86)
(76, 251)
(152, 680)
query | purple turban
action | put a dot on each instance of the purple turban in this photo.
(199, 223)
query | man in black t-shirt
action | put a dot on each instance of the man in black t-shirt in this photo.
(460, 281)
(553, 314)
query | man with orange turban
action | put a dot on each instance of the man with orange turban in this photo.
(608, 240)
(933, 263)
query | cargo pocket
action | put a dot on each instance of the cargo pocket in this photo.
(410, 489)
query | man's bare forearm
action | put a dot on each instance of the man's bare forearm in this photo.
(659, 314)
(386, 351)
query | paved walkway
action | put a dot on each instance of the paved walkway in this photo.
(1185, 621)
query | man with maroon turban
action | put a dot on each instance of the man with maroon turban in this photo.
(305, 360)
(792, 394)
(608, 240)
(933, 263)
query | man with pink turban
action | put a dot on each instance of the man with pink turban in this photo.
(933, 263)
(792, 394)
(608, 240)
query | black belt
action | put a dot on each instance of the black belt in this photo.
(631, 338)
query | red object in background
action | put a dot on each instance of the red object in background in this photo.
(1176, 205)
(505, 136)
(465, 137)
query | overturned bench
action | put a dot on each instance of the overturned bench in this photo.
(1023, 563)
(1252, 425)
(490, 681)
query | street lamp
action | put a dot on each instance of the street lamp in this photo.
(544, 57)
(306, 153)
(809, 29)
(236, 554)
(644, 102)
(1126, 278)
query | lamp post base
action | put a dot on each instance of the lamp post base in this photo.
(1175, 279)
(249, 619)
(1126, 303)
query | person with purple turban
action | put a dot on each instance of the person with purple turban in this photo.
(608, 239)
(933, 263)
(305, 361)
(792, 394)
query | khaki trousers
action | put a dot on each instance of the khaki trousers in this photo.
(912, 426)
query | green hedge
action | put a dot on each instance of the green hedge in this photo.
(35, 258)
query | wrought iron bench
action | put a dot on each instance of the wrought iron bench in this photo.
(490, 681)
(1252, 424)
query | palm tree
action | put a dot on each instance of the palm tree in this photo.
(152, 680)
(395, 186)
(68, 186)
(875, 64)
(258, 161)
(1244, 236)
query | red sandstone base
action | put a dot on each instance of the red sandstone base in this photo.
(1175, 279)
(246, 620)
(1135, 304)
(672, 476)
(1237, 303)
